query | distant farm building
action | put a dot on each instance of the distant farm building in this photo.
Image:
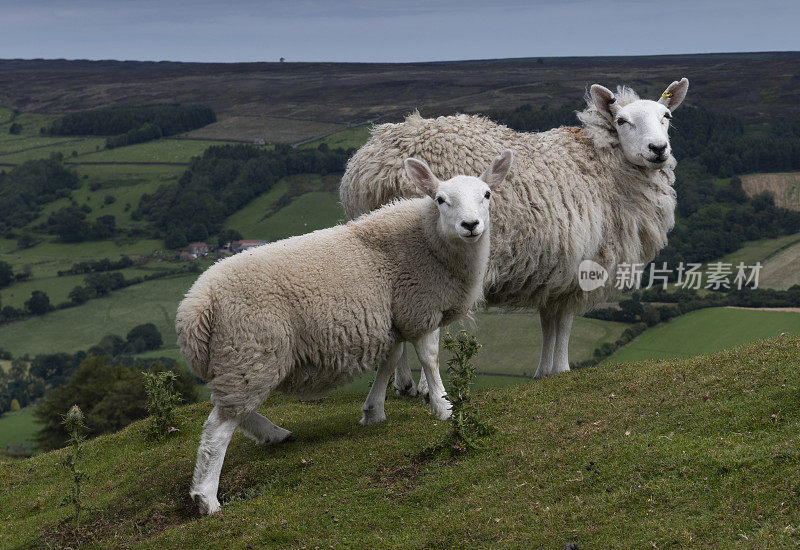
(238, 246)
(198, 248)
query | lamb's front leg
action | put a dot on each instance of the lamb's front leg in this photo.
(549, 324)
(373, 408)
(561, 354)
(428, 352)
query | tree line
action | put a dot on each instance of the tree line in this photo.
(129, 124)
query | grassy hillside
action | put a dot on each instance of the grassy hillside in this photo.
(699, 452)
(782, 269)
(707, 331)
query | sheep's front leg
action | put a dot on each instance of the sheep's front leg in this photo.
(428, 352)
(561, 355)
(548, 343)
(373, 409)
(403, 380)
(217, 433)
(259, 428)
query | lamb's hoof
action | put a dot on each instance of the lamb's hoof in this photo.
(426, 398)
(407, 391)
(367, 420)
(371, 416)
(289, 438)
(206, 505)
(442, 414)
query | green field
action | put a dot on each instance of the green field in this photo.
(17, 429)
(78, 328)
(782, 269)
(346, 139)
(707, 331)
(31, 124)
(162, 150)
(6, 115)
(70, 148)
(761, 250)
(685, 453)
(316, 207)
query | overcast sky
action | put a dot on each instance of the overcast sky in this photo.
(389, 30)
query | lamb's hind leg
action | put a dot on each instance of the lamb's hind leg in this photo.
(373, 409)
(403, 380)
(217, 433)
(549, 325)
(561, 354)
(259, 428)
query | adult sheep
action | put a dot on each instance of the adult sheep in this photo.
(311, 312)
(602, 192)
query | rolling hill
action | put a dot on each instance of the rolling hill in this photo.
(699, 452)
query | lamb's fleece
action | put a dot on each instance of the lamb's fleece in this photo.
(570, 196)
(313, 311)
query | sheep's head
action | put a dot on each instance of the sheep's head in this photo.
(463, 201)
(642, 125)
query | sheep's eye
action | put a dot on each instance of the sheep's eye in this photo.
(621, 121)
(440, 200)
(487, 195)
(667, 115)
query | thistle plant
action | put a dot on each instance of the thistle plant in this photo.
(161, 402)
(73, 421)
(468, 426)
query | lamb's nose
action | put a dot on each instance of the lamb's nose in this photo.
(470, 226)
(657, 149)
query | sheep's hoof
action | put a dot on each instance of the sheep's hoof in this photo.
(442, 414)
(426, 398)
(407, 391)
(371, 416)
(206, 505)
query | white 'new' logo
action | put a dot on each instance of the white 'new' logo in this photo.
(591, 275)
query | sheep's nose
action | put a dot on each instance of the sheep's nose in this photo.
(658, 149)
(470, 226)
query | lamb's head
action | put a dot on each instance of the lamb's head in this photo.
(642, 125)
(463, 201)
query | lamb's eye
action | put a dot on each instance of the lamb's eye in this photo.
(487, 195)
(621, 121)
(440, 200)
(667, 115)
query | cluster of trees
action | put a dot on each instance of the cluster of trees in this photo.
(111, 394)
(97, 266)
(134, 124)
(7, 275)
(29, 379)
(71, 226)
(222, 181)
(25, 188)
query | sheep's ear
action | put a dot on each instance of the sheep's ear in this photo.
(674, 94)
(498, 171)
(421, 175)
(604, 100)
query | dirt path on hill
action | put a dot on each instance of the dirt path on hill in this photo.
(789, 309)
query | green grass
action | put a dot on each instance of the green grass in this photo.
(81, 327)
(699, 452)
(346, 139)
(162, 150)
(17, 429)
(707, 331)
(64, 146)
(782, 269)
(6, 115)
(13, 144)
(31, 124)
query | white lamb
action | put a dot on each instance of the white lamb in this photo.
(602, 192)
(311, 312)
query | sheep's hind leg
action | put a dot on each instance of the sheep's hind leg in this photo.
(548, 343)
(563, 329)
(259, 428)
(217, 433)
(373, 409)
(428, 351)
(403, 380)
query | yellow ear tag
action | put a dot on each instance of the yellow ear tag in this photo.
(666, 95)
